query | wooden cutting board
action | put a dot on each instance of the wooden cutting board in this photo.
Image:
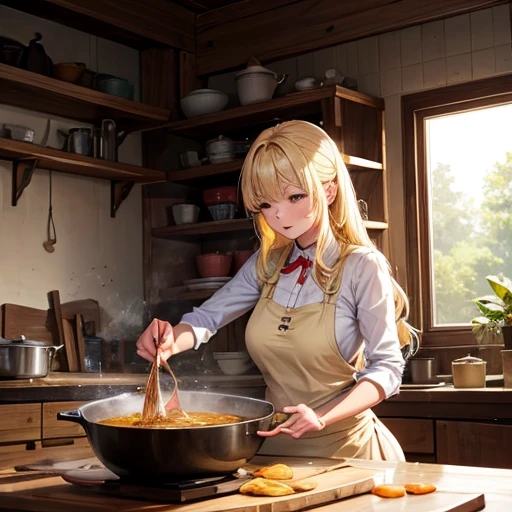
(331, 487)
(338, 491)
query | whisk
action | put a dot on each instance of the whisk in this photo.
(153, 403)
(154, 407)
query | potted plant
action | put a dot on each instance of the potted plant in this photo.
(496, 310)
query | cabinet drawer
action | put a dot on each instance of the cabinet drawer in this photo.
(53, 428)
(20, 422)
(414, 435)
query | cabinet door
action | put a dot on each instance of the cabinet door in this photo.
(20, 422)
(414, 435)
(53, 428)
(474, 444)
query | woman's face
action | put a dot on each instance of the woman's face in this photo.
(292, 216)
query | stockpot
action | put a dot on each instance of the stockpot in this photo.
(170, 454)
(25, 359)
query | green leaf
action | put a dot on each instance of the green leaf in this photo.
(502, 287)
(493, 312)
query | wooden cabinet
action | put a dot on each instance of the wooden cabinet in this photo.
(414, 435)
(353, 119)
(468, 443)
(54, 428)
(20, 422)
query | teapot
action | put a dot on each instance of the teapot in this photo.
(35, 59)
(469, 372)
(107, 140)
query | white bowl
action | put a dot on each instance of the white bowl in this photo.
(235, 366)
(202, 102)
(185, 213)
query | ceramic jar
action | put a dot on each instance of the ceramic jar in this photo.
(256, 83)
(469, 372)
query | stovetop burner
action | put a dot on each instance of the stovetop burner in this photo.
(175, 492)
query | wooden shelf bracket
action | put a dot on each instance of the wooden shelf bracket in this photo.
(22, 172)
(119, 191)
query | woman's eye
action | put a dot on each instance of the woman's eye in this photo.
(295, 198)
(264, 206)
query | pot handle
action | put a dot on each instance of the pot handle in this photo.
(74, 416)
(281, 79)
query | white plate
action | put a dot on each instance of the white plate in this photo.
(207, 280)
(422, 386)
(204, 286)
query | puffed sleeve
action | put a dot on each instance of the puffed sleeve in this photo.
(228, 303)
(375, 310)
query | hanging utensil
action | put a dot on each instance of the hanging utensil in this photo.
(51, 234)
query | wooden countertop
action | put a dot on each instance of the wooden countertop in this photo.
(65, 386)
(452, 482)
(121, 379)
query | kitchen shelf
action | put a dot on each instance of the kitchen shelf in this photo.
(26, 157)
(204, 171)
(353, 164)
(203, 228)
(32, 91)
(224, 226)
(291, 106)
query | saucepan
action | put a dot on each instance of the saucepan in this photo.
(26, 359)
(170, 454)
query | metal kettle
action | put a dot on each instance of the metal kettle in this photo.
(107, 140)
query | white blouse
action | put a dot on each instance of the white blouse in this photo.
(365, 310)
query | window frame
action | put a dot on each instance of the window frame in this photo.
(416, 108)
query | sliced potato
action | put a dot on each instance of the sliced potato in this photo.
(264, 487)
(420, 488)
(303, 485)
(275, 472)
(389, 491)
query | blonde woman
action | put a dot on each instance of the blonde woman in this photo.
(328, 320)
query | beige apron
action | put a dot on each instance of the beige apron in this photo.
(297, 353)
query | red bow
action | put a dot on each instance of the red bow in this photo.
(299, 262)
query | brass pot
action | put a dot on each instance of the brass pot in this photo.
(469, 372)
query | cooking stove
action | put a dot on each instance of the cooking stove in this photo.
(170, 492)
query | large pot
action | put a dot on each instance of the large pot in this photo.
(25, 359)
(170, 454)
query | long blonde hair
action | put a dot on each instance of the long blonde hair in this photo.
(301, 154)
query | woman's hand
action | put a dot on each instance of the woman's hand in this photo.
(162, 332)
(303, 419)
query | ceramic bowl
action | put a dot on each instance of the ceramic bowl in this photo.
(185, 213)
(202, 102)
(223, 211)
(233, 363)
(69, 71)
(218, 195)
(214, 264)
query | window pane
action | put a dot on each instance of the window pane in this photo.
(469, 165)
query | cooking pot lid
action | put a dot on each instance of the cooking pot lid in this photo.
(22, 342)
(469, 359)
(260, 70)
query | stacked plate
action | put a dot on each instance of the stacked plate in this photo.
(206, 283)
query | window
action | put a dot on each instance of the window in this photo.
(458, 175)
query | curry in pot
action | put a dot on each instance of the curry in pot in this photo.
(193, 419)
